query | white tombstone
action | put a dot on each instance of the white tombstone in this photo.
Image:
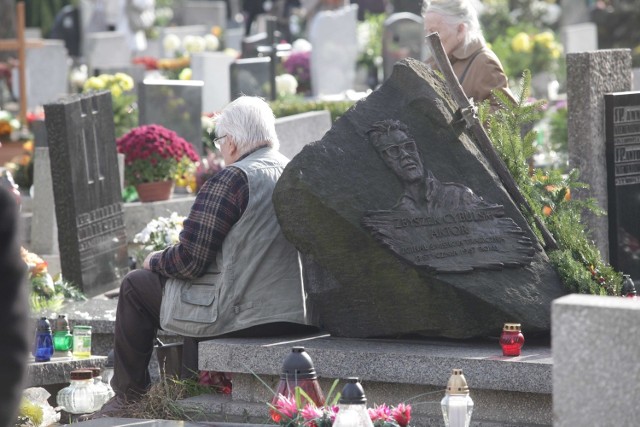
(580, 37)
(334, 37)
(46, 73)
(294, 132)
(213, 69)
(106, 50)
(635, 85)
(202, 12)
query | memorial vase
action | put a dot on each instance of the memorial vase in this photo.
(154, 191)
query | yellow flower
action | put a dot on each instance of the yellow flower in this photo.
(556, 52)
(216, 31)
(93, 83)
(185, 74)
(545, 38)
(116, 91)
(125, 81)
(521, 43)
(28, 146)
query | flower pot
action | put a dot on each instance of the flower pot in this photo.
(154, 191)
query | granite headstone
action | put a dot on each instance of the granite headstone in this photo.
(403, 37)
(47, 71)
(174, 104)
(86, 189)
(213, 68)
(333, 35)
(106, 50)
(589, 76)
(404, 226)
(204, 12)
(251, 76)
(622, 123)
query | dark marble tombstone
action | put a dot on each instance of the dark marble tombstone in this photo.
(174, 104)
(250, 76)
(622, 122)
(66, 26)
(403, 37)
(86, 188)
(251, 43)
(404, 226)
(412, 6)
(39, 130)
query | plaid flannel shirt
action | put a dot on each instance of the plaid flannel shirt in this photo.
(219, 204)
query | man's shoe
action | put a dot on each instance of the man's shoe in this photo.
(114, 407)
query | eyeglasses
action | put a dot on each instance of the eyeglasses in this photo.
(395, 151)
(216, 141)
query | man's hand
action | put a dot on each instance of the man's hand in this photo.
(145, 264)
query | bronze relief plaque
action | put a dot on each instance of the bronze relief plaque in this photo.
(442, 226)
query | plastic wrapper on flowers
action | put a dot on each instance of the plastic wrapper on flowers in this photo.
(299, 411)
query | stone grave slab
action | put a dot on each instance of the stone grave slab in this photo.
(174, 104)
(589, 76)
(86, 189)
(593, 375)
(334, 37)
(213, 69)
(204, 12)
(403, 37)
(250, 76)
(294, 132)
(44, 231)
(404, 226)
(579, 37)
(106, 50)
(46, 75)
(411, 6)
(622, 123)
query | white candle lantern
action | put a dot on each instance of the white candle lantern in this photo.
(457, 405)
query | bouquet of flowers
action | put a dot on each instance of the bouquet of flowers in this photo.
(121, 87)
(158, 234)
(154, 153)
(46, 291)
(290, 412)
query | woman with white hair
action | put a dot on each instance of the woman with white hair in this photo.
(478, 69)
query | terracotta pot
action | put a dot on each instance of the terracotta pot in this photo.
(155, 191)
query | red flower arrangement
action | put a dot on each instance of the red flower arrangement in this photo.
(153, 153)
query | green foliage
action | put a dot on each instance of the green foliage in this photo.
(578, 261)
(370, 38)
(559, 134)
(297, 104)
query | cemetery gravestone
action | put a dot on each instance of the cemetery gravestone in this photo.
(86, 188)
(623, 177)
(403, 38)
(411, 6)
(47, 70)
(174, 104)
(209, 13)
(589, 76)
(580, 37)
(333, 35)
(294, 132)
(251, 76)
(213, 68)
(406, 227)
(105, 50)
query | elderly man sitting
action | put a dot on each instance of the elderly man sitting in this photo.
(233, 273)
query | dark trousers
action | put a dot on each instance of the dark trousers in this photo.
(138, 321)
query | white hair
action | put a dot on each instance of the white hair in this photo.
(456, 12)
(249, 120)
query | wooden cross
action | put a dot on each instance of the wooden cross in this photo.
(20, 44)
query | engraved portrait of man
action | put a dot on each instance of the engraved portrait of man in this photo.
(423, 192)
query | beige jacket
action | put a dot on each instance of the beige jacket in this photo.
(479, 71)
